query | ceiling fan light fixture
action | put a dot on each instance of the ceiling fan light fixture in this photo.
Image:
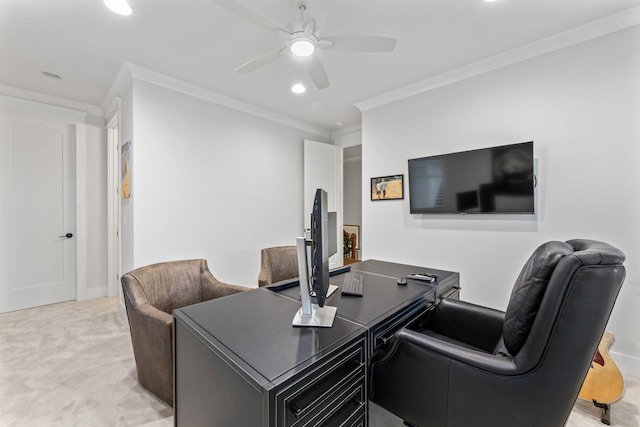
(121, 7)
(302, 46)
(298, 88)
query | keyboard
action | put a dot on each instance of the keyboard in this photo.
(353, 285)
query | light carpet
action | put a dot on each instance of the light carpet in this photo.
(71, 364)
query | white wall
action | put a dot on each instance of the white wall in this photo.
(126, 205)
(208, 182)
(581, 106)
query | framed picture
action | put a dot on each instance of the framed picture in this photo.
(353, 229)
(387, 187)
(125, 171)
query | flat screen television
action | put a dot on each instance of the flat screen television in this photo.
(495, 180)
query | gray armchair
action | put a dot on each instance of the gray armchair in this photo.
(466, 365)
(151, 294)
(278, 263)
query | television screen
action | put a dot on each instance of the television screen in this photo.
(489, 180)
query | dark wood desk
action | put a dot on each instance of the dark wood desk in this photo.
(239, 361)
(386, 306)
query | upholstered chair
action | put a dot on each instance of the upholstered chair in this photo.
(278, 263)
(151, 294)
(467, 365)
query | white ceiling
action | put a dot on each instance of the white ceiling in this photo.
(200, 43)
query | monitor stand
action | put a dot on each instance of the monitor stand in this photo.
(310, 314)
(320, 316)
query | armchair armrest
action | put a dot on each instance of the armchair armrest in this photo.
(474, 358)
(213, 288)
(469, 323)
(154, 315)
(264, 278)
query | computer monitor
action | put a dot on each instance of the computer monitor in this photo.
(320, 247)
(316, 279)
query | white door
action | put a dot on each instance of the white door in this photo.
(36, 174)
(323, 169)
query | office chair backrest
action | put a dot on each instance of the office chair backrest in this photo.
(528, 291)
(571, 290)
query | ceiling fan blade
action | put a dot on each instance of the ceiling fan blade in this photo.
(317, 72)
(260, 61)
(321, 11)
(251, 15)
(308, 29)
(362, 43)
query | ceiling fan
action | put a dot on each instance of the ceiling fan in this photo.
(303, 38)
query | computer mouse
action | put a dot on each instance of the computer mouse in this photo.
(402, 280)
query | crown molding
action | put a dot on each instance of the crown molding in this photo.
(119, 85)
(347, 137)
(129, 71)
(592, 30)
(18, 105)
(59, 107)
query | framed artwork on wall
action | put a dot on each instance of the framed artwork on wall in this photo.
(387, 187)
(125, 170)
(353, 229)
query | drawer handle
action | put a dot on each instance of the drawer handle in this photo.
(296, 411)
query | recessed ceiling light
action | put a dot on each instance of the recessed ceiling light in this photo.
(298, 88)
(302, 46)
(121, 7)
(51, 75)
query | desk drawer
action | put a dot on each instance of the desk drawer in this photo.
(345, 411)
(332, 392)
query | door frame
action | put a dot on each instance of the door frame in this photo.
(311, 168)
(113, 205)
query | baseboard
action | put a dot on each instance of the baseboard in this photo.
(86, 294)
(628, 365)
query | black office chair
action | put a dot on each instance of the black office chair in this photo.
(466, 365)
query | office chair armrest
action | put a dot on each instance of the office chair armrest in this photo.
(467, 356)
(462, 321)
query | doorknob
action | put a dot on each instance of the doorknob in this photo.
(68, 235)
